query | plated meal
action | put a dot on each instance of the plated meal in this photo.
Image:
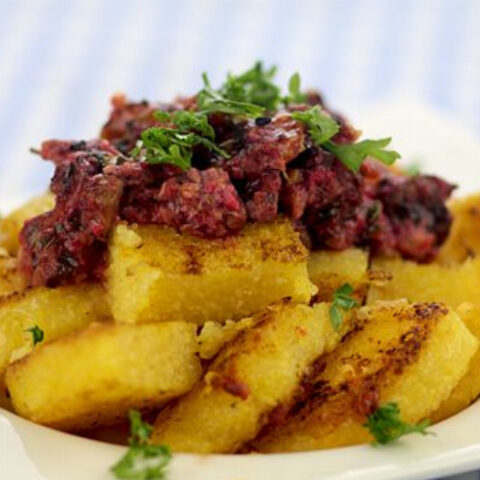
(238, 272)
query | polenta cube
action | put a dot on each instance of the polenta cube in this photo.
(93, 377)
(329, 270)
(258, 372)
(457, 285)
(411, 355)
(55, 311)
(156, 274)
(11, 225)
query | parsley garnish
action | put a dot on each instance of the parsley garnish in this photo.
(341, 303)
(255, 86)
(174, 144)
(386, 425)
(37, 334)
(142, 460)
(218, 101)
(413, 169)
(352, 155)
(295, 95)
(322, 128)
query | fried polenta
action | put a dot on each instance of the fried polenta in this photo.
(412, 355)
(464, 238)
(455, 284)
(11, 224)
(329, 270)
(110, 369)
(156, 274)
(56, 312)
(257, 373)
(10, 279)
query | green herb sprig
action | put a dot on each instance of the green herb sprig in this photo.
(255, 86)
(341, 303)
(37, 334)
(386, 425)
(142, 461)
(322, 128)
(174, 144)
(295, 94)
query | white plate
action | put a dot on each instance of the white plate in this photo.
(32, 452)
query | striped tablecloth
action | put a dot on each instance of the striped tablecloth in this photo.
(61, 60)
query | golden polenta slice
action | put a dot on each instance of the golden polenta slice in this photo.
(452, 284)
(55, 311)
(258, 372)
(11, 224)
(412, 355)
(464, 238)
(156, 274)
(329, 270)
(95, 376)
(458, 285)
(468, 388)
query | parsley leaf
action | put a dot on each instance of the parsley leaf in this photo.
(295, 95)
(320, 126)
(253, 86)
(142, 461)
(352, 155)
(174, 143)
(341, 303)
(214, 101)
(37, 334)
(386, 425)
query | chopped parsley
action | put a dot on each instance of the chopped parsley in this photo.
(142, 461)
(386, 425)
(294, 93)
(341, 303)
(174, 143)
(413, 169)
(322, 128)
(255, 86)
(352, 155)
(219, 101)
(37, 334)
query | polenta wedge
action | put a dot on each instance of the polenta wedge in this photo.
(156, 274)
(412, 355)
(55, 311)
(258, 372)
(329, 270)
(11, 224)
(110, 369)
(457, 285)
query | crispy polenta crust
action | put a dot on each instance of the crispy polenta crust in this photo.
(256, 374)
(95, 376)
(56, 311)
(156, 274)
(464, 238)
(412, 355)
(11, 224)
(457, 285)
(329, 270)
